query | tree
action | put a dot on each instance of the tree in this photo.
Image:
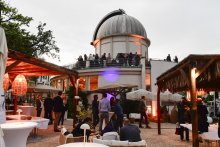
(19, 39)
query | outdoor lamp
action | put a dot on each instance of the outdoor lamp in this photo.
(85, 127)
(76, 97)
(19, 85)
(19, 113)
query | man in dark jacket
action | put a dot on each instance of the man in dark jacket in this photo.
(39, 105)
(48, 107)
(142, 107)
(95, 110)
(182, 118)
(130, 131)
(117, 109)
(57, 108)
(202, 116)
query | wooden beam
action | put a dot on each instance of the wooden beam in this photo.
(171, 72)
(11, 66)
(158, 110)
(194, 114)
(41, 63)
(199, 72)
(185, 77)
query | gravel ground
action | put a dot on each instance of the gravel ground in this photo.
(48, 138)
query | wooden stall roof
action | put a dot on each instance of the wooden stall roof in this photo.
(19, 63)
(207, 74)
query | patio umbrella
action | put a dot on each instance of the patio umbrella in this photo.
(176, 97)
(3, 60)
(137, 94)
(166, 96)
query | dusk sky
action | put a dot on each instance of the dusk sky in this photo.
(175, 27)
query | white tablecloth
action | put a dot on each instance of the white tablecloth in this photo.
(16, 133)
(81, 144)
(42, 123)
(212, 135)
(212, 128)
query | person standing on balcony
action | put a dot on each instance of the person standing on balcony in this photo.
(137, 59)
(130, 58)
(108, 60)
(168, 58)
(85, 57)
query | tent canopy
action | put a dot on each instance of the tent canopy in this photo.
(19, 63)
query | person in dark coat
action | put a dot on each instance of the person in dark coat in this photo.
(95, 110)
(183, 118)
(202, 116)
(61, 120)
(77, 131)
(39, 105)
(111, 126)
(48, 108)
(57, 108)
(117, 109)
(142, 107)
(130, 131)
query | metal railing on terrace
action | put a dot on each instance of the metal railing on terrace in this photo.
(108, 63)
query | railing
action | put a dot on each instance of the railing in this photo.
(107, 63)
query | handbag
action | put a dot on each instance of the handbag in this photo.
(177, 132)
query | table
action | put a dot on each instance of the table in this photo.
(81, 144)
(42, 123)
(212, 127)
(208, 137)
(16, 133)
(26, 110)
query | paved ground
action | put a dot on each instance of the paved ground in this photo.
(48, 138)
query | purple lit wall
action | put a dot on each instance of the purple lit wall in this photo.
(108, 96)
(110, 74)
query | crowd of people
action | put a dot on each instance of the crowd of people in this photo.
(56, 105)
(120, 60)
(109, 116)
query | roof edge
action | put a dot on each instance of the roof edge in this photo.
(109, 15)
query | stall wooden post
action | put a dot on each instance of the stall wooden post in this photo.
(158, 110)
(194, 107)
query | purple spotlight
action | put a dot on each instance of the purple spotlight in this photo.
(110, 74)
